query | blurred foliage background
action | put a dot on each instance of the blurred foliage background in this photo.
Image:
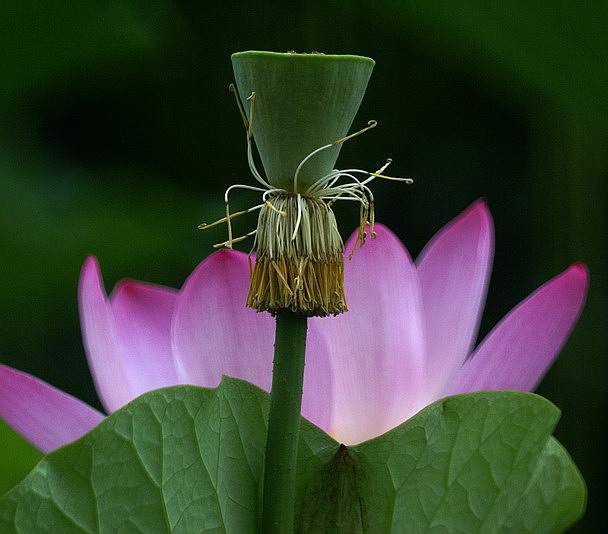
(118, 136)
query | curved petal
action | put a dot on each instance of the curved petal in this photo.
(454, 269)
(143, 314)
(99, 336)
(519, 350)
(42, 414)
(213, 333)
(377, 347)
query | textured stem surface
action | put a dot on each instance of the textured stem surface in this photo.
(284, 424)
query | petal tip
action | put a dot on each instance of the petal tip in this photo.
(577, 274)
(577, 278)
(127, 287)
(476, 218)
(227, 255)
(580, 269)
(473, 227)
(91, 263)
(90, 276)
(481, 202)
(223, 261)
(479, 208)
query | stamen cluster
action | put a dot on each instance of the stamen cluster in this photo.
(299, 263)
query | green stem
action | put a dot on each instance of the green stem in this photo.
(284, 424)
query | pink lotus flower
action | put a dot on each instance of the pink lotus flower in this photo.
(405, 342)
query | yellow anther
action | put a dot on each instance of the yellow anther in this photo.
(228, 223)
(385, 166)
(360, 239)
(371, 124)
(405, 180)
(232, 89)
(251, 100)
(204, 226)
(280, 212)
(228, 244)
(372, 220)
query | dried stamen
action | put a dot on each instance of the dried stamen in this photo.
(299, 263)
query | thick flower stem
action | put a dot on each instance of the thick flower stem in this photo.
(284, 424)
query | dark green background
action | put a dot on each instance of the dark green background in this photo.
(118, 136)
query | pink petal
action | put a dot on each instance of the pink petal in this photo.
(214, 334)
(44, 415)
(519, 350)
(318, 395)
(143, 314)
(454, 270)
(100, 340)
(377, 348)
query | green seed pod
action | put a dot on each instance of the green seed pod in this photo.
(302, 102)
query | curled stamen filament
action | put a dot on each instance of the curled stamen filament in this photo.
(377, 175)
(251, 100)
(361, 235)
(204, 226)
(229, 224)
(371, 124)
(248, 128)
(228, 243)
(232, 89)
